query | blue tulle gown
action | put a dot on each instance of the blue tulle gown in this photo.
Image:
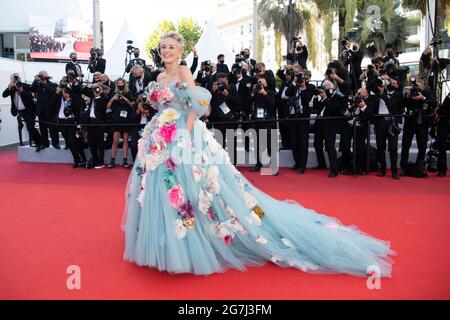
(189, 210)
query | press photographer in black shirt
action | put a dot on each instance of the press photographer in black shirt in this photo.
(300, 55)
(224, 107)
(96, 62)
(263, 108)
(75, 66)
(300, 93)
(44, 90)
(66, 107)
(136, 61)
(328, 104)
(388, 99)
(420, 103)
(261, 72)
(97, 116)
(22, 104)
(221, 66)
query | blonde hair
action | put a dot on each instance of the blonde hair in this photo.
(178, 37)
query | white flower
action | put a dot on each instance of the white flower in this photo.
(169, 115)
(152, 162)
(212, 180)
(140, 197)
(205, 199)
(197, 173)
(142, 145)
(234, 226)
(254, 219)
(261, 239)
(287, 243)
(332, 226)
(230, 211)
(223, 230)
(249, 200)
(180, 229)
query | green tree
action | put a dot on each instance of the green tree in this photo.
(190, 30)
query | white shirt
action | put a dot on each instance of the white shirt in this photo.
(382, 109)
(238, 82)
(18, 101)
(139, 85)
(92, 113)
(143, 119)
(61, 114)
(283, 94)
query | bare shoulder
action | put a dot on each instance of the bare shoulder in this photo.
(186, 75)
(160, 77)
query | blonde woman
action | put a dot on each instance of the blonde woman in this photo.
(189, 210)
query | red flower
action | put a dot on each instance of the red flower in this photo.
(228, 239)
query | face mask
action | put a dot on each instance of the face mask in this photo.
(136, 55)
(74, 59)
(391, 87)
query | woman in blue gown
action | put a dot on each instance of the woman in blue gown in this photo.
(189, 210)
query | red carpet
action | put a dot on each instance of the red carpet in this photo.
(53, 216)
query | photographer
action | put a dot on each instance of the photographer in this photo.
(224, 106)
(22, 105)
(70, 81)
(443, 129)
(338, 75)
(420, 104)
(75, 66)
(139, 81)
(244, 56)
(300, 56)
(97, 116)
(286, 75)
(360, 110)
(142, 115)
(352, 57)
(263, 108)
(300, 93)
(329, 104)
(388, 100)
(121, 107)
(221, 66)
(44, 89)
(111, 86)
(204, 76)
(66, 107)
(261, 72)
(136, 61)
(96, 62)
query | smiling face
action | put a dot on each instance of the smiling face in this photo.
(170, 50)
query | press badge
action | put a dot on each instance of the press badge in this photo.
(260, 113)
(123, 114)
(224, 108)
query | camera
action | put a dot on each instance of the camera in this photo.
(97, 90)
(130, 47)
(221, 86)
(358, 99)
(415, 88)
(318, 91)
(206, 66)
(145, 104)
(299, 78)
(258, 86)
(330, 71)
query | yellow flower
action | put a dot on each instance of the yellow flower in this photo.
(189, 223)
(258, 211)
(169, 115)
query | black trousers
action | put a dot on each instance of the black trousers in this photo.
(346, 145)
(283, 113)
(382, 134)
(410, 129)
(44, 128)
(263, 143)
(443, 130)
(299, 137)
(68, 132)
(29, 120)
(325, 130)
(96, 141)
(230, 141)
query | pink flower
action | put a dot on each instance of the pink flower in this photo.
(186, 210)
(176, 196)
(211, 214)
(168, 133)
(228, 239)
(156, 95)
(166, 94)
(170, 164)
